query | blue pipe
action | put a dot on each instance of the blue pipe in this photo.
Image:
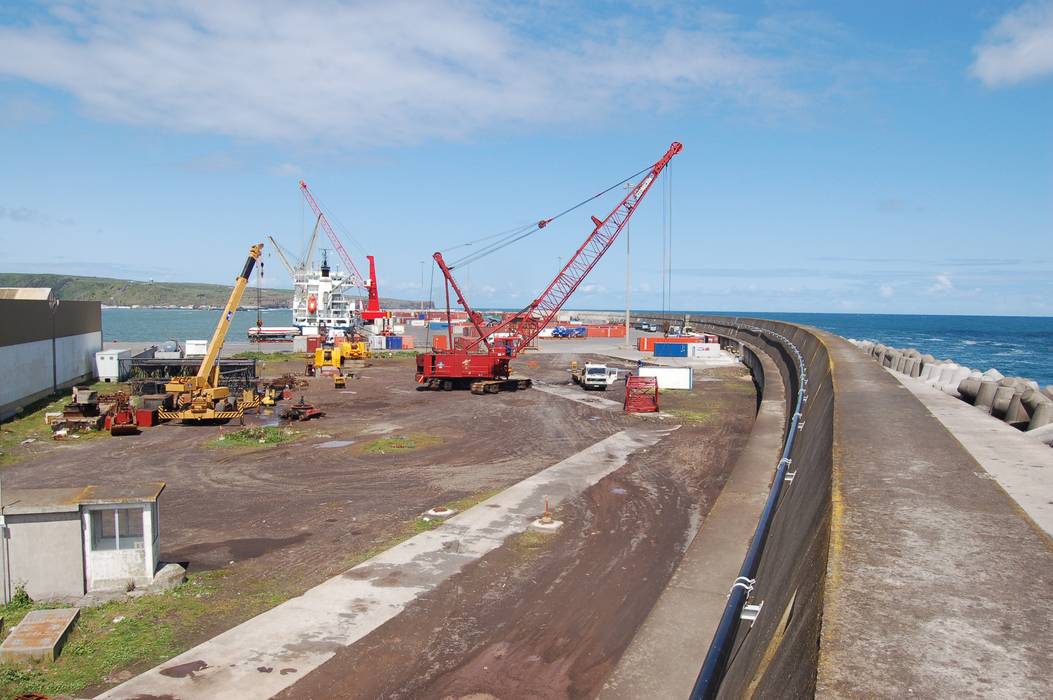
(707, 684)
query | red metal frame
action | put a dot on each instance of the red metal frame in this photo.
(641, 394)
(469, 362)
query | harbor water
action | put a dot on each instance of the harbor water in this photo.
(1015, 345)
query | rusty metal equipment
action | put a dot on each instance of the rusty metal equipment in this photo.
(482, 364)
(301, 410)
(641, 394)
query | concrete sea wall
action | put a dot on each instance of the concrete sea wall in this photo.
(1015, 400)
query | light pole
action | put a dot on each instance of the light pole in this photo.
(53, 304)
(628, 276)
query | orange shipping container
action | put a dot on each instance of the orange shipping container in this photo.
(407, 342)
(439, 342)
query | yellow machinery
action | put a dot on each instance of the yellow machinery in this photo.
(339, 382)
(327, 357)
(199, 397)
(354, 351)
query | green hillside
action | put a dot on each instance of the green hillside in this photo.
(114, 292)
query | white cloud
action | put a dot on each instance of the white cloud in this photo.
(941, 285)
(1018, 48)
(287, 170)
(369, 73)
(887, 291)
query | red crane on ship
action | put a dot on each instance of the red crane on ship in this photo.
(483, 363)
(372, 310)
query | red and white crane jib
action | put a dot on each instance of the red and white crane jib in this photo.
(531, 320)
(356, 277)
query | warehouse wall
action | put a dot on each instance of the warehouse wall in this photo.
(26, 372)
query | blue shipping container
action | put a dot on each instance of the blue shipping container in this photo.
(438, 324)
(394, 342)
(670, 349)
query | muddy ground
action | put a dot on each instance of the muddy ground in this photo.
(539, 617)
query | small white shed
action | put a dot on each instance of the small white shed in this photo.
(67, 541)
(113, 365)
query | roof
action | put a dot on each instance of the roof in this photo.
(70, 499)
(32, 293)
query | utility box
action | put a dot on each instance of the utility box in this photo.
(113, 365)
(196, 348)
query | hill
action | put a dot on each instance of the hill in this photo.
(115, 292)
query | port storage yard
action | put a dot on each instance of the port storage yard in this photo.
(552, 610)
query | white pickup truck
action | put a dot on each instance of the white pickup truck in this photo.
(595, 376)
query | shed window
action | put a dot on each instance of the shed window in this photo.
(117, 528)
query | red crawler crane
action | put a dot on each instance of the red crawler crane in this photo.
(372, 311)
(483, 363)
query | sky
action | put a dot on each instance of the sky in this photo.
(892, 157)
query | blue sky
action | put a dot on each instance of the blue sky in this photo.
(892, 157)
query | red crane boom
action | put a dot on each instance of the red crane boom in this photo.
(349, 264)
(485, 370)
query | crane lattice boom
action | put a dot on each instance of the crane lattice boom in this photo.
(349, 265)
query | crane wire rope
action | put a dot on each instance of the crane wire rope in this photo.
(516, 234)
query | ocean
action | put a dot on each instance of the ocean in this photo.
(1014, 345)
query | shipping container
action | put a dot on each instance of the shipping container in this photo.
(670, 377)
(704, 349)
(408, 343)
(439, 342)
(606, 331)
(377, 342)
(393, 342)
(670, 349)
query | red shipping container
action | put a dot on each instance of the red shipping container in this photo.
(438, 342)
(146, 417)
(312, 343)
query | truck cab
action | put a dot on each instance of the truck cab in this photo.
(595, 376)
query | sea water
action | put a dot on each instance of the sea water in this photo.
(1014, 345)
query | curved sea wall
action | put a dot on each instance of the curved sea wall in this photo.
(777, 654)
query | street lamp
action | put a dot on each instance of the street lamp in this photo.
(628, 276)
(53, 304)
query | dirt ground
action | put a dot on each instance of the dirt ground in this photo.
(539, 617)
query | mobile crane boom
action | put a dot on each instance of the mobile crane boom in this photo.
(199, 397)
(469, 364)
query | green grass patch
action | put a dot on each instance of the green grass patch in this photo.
(30, 425)
(132, 631)
(467, 502)
(692, 416)
(256, 437)
(400, 443)
(529, 543)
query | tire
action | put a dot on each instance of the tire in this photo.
(447, 385)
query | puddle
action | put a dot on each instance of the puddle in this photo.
(619, 490)
(335, 443)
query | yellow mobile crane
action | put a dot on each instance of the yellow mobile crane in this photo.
(199, 397)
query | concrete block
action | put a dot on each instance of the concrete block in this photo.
(168, 577)
(1016, 413)
(39, 636)
(1002, 398)
(968, 388)
(1042, 416)
(985, 396)
(993, 374)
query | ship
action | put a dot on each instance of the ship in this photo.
(322, 298)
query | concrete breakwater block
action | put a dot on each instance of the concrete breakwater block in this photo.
(39, 636)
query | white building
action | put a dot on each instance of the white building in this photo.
(68, 541)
